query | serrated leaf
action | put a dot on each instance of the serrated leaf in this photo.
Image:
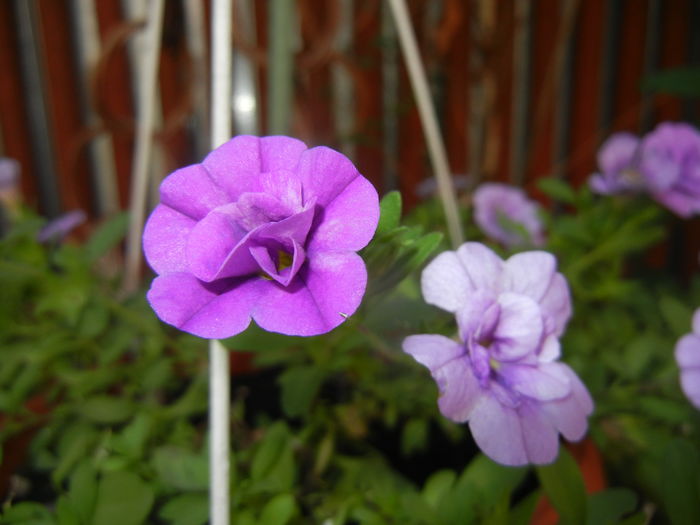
(390, 212)
(563, 484)
(123, 498)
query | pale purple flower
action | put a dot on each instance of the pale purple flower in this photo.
(670, 164)
(56, 229)
(263, 228)
(617, 162)
(503, 376)
(688, 359)
(505, 214)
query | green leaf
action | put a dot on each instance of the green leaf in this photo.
(27, 513)
(187, 509)
(76, 442)
(82, 492)
(181, 469)
(676, 314)
(273, 463)
(563, 484)
(557, 189)
(279, 510)
(437, 486)
(390, 212)
(680, 486)
(299, 386)
(106, 409)
(684, 82)
(414, 436)
(122, 499)
(609, 506)
(107, 236)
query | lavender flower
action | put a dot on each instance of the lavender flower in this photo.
(503, 376)
(617, 161)
(688, 358)
(670, 164)
(505, 214)
(263, 228)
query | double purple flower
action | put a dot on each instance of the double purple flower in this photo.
(688, 359)
(665, 163)
(262, 229)
(503, 376)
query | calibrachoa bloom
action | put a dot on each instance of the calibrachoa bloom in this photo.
(263, 228)
(503, 376)
(688, 358)
(59, 227)
(505, 214)
(670, 164)
(617, 162)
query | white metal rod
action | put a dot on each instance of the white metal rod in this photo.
(426, 110)
(219, 375)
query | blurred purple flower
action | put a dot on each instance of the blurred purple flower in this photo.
(688, 358)
(9, 173)
(505, 214)
(56, 229)
(670, 164)
(617, 162)
(263, 228)
(503, 376)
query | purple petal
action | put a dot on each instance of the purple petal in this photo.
(540, 438)
(216, 247)
(181, 300)
(349, 221)
(543, 383)
(280, 153)
(165, 239)
(617, 152)
(529, 273)
(294, 228)
(696, 322)
(285, 186)
(478, 316)
(252, 210)
(192, 192)
(556, 305)
(483, 267)
(690, 383)
(570, 414)
(688, 351)
(325, 174)
(327, 290)
(459, 390)
(551, 350)
(235, 166)
(497, 431)
(284, 276)
(432, 351)
(519, 329)
(445, 283)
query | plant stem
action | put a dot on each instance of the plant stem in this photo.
(426, 110)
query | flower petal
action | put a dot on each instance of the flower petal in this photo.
(445, 283)
(543, 383)
(432, 351)
(210, 311)
(325, 174)
(347, 222)
(569, 415)
(617, 152)
(165, 239)
(690, 383)
(696, 321)
(529, 273)
(280, 153)
(556, 305)
(459, 389)
(483, 267)
(192, 192)
(519, 330)
(326, 290)
(688, 351)
(235, 166)
(478, 316)
(497, 431)
(540, 438)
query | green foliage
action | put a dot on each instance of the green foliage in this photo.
(563, 484)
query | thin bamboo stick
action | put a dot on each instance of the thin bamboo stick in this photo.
(426, 110)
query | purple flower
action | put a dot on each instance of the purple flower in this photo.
(617, 161)
(263, 228)
(688, 358)
(670, 164)
(503, 376)
(505, 214)
(58, 228)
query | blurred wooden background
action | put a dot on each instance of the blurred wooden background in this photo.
(524, 88)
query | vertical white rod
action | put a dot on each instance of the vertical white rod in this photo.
(219, 378)
(426, 110)
(143, 143)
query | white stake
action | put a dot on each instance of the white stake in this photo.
(426, 110)
(219, 375)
